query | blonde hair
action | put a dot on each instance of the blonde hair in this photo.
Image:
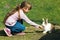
(23, 4)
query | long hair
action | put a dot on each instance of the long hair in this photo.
(11, 13)
(23, 4)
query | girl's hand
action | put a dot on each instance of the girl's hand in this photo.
(40, 26)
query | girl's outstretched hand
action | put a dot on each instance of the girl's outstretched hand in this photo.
(40, 26)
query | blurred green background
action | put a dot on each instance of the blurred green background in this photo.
(40, 9)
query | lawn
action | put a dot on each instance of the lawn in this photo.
(31, 34)
(40, 9)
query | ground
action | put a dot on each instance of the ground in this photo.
(33, 34)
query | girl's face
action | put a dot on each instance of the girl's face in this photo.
(25, 9)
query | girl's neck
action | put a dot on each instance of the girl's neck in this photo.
(22, 10)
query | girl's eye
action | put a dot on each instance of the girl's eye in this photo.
(25, 8)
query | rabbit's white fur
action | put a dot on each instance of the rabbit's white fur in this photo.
(47, 26)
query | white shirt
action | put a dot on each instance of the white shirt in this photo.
(11, 21)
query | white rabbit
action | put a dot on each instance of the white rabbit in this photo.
(47, 26)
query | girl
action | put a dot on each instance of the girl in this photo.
(11, 21)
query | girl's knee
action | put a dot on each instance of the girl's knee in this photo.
(23, 28)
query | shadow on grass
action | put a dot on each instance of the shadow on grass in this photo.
(29, 32)
(38, 31)
(52, 36)
(2, 33)
(35, 32)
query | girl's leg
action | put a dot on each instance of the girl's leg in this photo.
(17, 28)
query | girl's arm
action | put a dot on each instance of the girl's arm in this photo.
(24, 17)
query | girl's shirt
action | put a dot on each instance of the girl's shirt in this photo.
(11, 21)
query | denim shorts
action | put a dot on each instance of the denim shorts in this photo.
(18, 27)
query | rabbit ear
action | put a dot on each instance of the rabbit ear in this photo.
(47, 20)
(43, 19)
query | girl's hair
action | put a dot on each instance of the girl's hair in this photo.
(23, 4)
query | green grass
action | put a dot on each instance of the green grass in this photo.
(31, 34)
(40, 9)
